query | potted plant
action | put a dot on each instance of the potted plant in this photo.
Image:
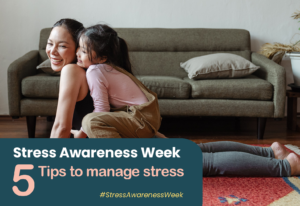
(276, 52)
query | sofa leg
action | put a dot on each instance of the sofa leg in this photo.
(261, 125)
(237, 123)
(50, 118)
(31, 121)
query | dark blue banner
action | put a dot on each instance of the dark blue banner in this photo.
(100, 171)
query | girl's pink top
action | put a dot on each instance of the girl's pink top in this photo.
(111, 87)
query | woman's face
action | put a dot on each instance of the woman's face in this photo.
(61, 48)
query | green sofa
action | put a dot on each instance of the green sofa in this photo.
(155, 54)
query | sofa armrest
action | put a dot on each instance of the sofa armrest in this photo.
(275, 74)
(19, 69)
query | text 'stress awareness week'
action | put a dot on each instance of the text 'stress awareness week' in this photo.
(100, 171)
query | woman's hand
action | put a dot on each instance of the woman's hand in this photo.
(160, 135)
(78, 134)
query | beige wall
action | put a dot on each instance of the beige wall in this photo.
(22, 20)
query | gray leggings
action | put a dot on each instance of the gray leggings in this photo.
(236, 159)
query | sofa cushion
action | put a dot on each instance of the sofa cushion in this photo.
(248, 88)
(174, 40)
(152, 49)
(168, 63)
(167, 87)
(216, 107)
(218, 66)
(45, 66)
(41, 86)
(46, 86)
(151, 63)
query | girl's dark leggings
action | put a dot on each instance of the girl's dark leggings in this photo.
(227, 158)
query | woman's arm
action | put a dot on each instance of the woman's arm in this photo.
(73, 87)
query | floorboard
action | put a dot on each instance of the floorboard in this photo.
(197, 129)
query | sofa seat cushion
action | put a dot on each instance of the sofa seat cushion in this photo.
(248, 88)
(41, 86)
(167, 87)
(46, 86)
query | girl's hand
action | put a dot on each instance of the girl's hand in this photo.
(78, 134)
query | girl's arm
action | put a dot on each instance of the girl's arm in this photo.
(98, 89)
(98, 92)
(73, 87)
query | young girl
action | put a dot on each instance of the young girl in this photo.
(112, 85)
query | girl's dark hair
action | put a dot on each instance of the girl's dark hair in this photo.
(74, 27)
(105, 42)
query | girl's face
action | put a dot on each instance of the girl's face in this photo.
(83, 57)
(60, 48)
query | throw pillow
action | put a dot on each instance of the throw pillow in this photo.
(217, 66)
(46, 67)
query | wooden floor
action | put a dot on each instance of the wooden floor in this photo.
(197, 129)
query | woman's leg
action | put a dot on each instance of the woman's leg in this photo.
(276, 150)
(244, 164)
(294, 161)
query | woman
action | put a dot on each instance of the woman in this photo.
(61, 50)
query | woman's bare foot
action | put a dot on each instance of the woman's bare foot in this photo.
(294, 161)
(279, 151)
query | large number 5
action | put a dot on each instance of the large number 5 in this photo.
(18, 177)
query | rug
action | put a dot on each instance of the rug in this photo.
(244, 191)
